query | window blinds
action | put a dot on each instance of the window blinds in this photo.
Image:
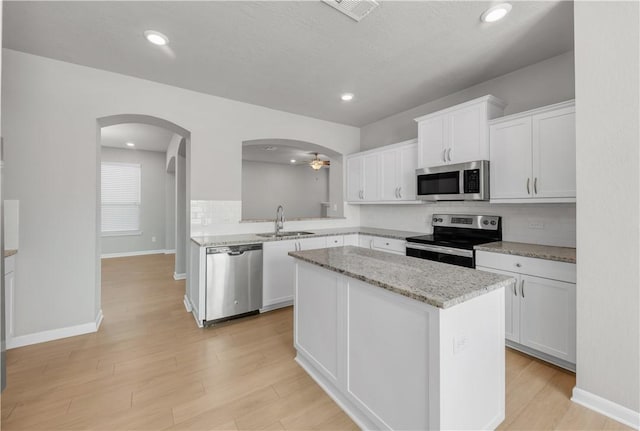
(120, 198)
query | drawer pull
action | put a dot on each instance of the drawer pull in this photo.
(518, 265)
(522, 288)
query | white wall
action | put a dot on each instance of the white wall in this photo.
(607, 115)
(540, 84)
(549, 81)
(49, 124)
(170, 211)
(299, 189)
(152, 204)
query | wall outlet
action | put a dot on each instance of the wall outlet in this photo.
(536, 225)
(153, 239)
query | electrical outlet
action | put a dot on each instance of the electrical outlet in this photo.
(153, 239)
(536, 225)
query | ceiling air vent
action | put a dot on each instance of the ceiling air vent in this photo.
(354, 9)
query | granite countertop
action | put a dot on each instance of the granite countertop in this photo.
(8, 253)
(548, 252)
(252, 238)
(437, 284)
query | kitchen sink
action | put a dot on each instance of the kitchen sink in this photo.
(284, 234)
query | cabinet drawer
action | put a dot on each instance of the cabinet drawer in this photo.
(335, 241)
(388, 244)
(550, 269)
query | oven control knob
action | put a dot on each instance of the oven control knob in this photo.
(493, 222)
(440, 220)
(435, 220)
(486, 222)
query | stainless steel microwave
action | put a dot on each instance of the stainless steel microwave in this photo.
(458, 182)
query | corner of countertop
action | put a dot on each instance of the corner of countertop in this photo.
(10, 252)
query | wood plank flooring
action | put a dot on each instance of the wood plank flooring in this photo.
(150, 368)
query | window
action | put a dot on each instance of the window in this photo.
(120, 199)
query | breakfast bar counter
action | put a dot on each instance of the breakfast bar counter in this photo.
(399, 342)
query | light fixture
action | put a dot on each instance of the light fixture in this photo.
(317, 164)
(496, 13)
(156, 38)
(346, 97)
(130, 144)
(292, 160)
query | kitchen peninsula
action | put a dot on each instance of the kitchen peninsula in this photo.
(399, 342)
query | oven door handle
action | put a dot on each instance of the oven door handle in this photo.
(440, 249)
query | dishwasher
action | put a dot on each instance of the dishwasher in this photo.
(234, 282)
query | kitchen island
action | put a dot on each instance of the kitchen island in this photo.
(400, 342)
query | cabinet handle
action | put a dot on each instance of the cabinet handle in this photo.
(371, 243)
(535, 185)
(522, 288)
(515, 288)
(400, 192)
(528, 190)
(449, 154)
(396, 191)
(444, 155)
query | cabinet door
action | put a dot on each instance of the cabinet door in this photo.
(389, 174)
(354, 178)
(548, 316)
(351, 239)
(554, 154)
(511, 305)
(371, 177)
(407, 172)
(432, 141)
(365, 241)
(510, 159)
(335, 241)
(277, 272)
(312, 243)
(468, 135)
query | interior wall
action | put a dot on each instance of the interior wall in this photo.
(299, 189)
(607, 112)
(49, 124)
(152, 204)
(549, 81)
(170, 212)
(180, 214)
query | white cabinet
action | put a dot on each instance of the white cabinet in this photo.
(540, 308)
(362, 177)
(389, 245)
(383, 175)
(533, 156)
(278, 267)
(457, 134)
(351, 239)
(398, 173)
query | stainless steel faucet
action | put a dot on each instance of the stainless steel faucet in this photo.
(279, 219)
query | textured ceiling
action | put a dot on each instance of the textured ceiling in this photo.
(146, 137)
(297, 56)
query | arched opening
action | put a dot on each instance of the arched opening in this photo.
(304, 177)
(158, 152)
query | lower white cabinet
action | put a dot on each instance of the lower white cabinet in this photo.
(389, 245)
(540, 307)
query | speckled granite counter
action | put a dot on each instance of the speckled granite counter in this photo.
(560, 254)
(252, 238)
(434, 283)
(8, 253)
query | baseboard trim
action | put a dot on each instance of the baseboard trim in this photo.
(131, 253)
(272, 307)
(177, 276)
(187, 303)
(170, 251)
(608, 408)
(55, 334)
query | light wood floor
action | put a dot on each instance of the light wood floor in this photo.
(150, 367)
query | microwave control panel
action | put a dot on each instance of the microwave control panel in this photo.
(472, 181)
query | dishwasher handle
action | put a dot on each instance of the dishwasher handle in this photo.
(235, 253)
(234, 250)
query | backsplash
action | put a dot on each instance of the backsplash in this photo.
(548, 224)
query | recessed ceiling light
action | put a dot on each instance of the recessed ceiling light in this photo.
(292, 160)
(156, 38)
(346, 97)
(496, 13)
(130, 144)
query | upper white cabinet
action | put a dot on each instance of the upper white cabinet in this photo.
(457, 134)
(385, 174)
(533, 155)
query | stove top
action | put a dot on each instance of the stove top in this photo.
(461, 231)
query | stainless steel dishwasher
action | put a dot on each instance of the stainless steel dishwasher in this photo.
(234, 282)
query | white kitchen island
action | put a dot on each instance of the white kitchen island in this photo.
(399, 342)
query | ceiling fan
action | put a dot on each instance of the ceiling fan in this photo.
(317, 164)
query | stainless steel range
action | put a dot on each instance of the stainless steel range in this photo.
(453, 238)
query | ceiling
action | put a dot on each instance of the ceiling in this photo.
(146, 137)
(280, 151)
(297, 56)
